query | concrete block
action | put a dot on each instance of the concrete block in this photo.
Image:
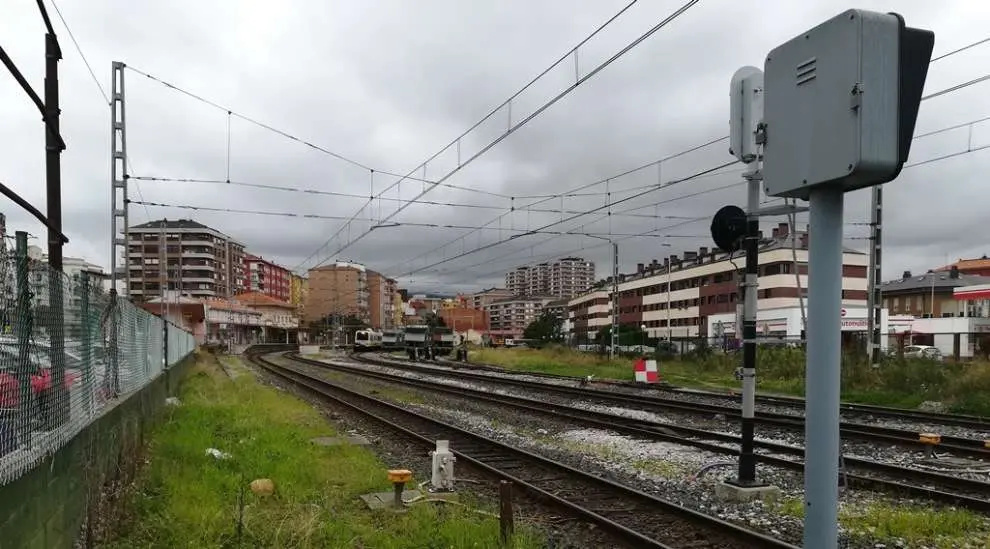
(726, 491)
(356, 440)
(383, 500)
(309, 349)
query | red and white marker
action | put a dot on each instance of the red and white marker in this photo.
(646, 371)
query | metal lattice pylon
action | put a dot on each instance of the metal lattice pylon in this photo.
(118, 182)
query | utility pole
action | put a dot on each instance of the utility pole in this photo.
(120, 203)
(874, 304)
(53, 176)
(615, 300)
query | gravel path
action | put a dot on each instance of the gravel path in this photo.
(668, 470)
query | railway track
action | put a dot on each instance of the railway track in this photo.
(968, 493)
(959, 446)
(641, 519)
(958, 420)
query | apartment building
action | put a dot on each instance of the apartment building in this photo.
(340, 288)
(298, 290)
(484, 298)
(697, 295)
(931, 295)
(381, 300)
(267, 277)
(977, 266)
(508, 318)
(516, 280)
(39, 280)
(184, 256)
(563, 278)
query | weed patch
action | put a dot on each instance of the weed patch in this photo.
(937, 527)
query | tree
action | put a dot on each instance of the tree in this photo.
(545, 329)
(433, 320)
(629, 336)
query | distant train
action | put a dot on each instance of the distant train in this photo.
(393, 340)
(419, 342)
(367, 340)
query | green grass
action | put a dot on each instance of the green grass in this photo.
(185, 499)
(939, 527)
(905, 383)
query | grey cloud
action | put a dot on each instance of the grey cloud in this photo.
(389, 82)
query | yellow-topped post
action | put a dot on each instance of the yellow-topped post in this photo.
(399, 478)
(930, 440)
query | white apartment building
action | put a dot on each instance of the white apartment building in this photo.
(72, 269)
(510, 317)
(686, 297)
(563, 278)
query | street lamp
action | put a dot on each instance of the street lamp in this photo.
(642, 328)
(615, 289)
(614, 330)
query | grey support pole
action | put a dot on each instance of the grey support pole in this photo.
(823, 372)
(747, 460)
(23, 327)
(85, 314)
(874, 302)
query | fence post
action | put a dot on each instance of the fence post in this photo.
(87, 341)
(22, 325)
(506, 525)
(165, 343)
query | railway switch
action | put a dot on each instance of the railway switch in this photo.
(931, 440)
(443, 467)
(399, 478)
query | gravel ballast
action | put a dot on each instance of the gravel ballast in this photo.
(665, 469)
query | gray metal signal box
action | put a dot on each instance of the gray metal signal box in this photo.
(832, 106)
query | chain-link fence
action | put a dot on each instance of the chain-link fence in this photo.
(62, 366)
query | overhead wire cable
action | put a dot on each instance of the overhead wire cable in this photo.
(263, 125)
(719, 139)
(521, 123)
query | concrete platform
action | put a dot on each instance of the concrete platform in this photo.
(356, 440)
(726, 491)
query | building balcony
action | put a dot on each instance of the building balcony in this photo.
(196, 241)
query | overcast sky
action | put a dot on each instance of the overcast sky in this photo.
(389, 83)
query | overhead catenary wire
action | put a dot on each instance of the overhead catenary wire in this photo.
(488, 246)
(602, 181)
(932, 95)
(544, 227)
(230, 112)
(352, 195)
(684, 8)
(456, 140)
(106, 98)
(720, 139)
(936, 94)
